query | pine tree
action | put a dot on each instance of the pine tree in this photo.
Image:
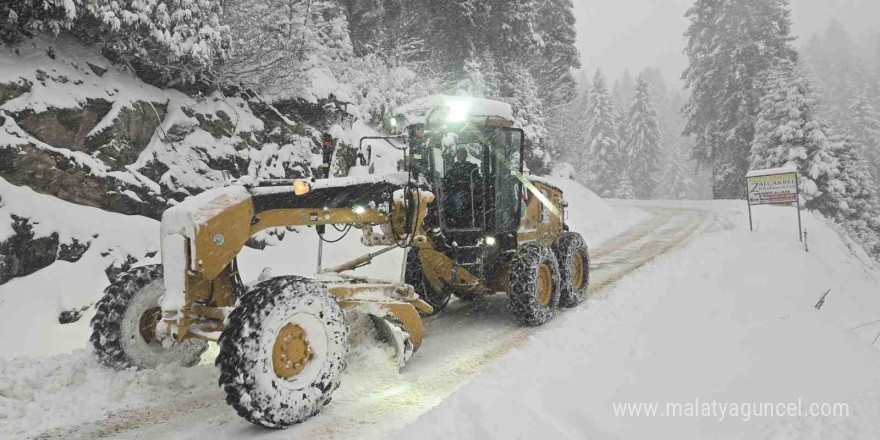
(865, 127)
(625, 188)
(839, 73)
(730, 43)
(602, 139)
(643, 141)
(624, 90)
(521, 92)
(558, 55)
(678, 179)
(484, 78)
(789, 131)
(574, 121)
(862, 207)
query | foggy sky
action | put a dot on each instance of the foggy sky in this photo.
(616, 35)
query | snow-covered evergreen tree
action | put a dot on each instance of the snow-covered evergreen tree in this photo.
(642, 145)
(573, 123)
(678, 178)
(483, 76)
(557, 57)
(625, 188)
(730, 43)
(865, 128)
(835, 67)
(603, 147)
(833, 176)
(789, 131)
(623, 91)
(521, 92)
(862, 210)
(165, 41)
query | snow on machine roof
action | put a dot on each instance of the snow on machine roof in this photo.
(457, 109)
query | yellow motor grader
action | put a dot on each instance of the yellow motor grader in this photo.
(470, 222)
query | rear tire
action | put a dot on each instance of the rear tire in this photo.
(125, 320)
(283, 351)
(574, 267)
(416, 278)
(534, 284)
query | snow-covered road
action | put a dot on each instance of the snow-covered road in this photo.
(375, 399)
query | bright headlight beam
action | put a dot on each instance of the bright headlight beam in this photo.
(358, 210)
(458, 111)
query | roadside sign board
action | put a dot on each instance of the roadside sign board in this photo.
(774, 186)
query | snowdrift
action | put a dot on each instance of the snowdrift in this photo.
(30, 306)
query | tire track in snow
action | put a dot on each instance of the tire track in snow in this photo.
(374, 401)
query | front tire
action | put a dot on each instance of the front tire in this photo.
(534, 284)
(574, 266)
(124, 324)
(283, 351)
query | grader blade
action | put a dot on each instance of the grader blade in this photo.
(394, 333)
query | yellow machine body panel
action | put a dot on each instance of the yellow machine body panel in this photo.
(541, 222)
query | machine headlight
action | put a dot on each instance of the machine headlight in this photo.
(458, 111)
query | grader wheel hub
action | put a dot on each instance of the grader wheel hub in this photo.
(291, 351)
(577, 271)
(545, 285)
(147, 324)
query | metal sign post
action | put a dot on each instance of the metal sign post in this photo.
(749, 203)
(797, 193)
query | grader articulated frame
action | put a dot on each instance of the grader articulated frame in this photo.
(203, 236)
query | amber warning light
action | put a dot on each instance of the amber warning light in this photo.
(301, 187)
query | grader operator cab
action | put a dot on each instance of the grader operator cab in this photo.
(471, 224)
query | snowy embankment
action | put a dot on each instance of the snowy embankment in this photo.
(39, 393)
(30, 305)
(730, 318)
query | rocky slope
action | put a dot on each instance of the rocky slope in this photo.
(76, 127)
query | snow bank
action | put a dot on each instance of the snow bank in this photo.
(70, 77)
(730, 319)
(591, 215)
(41, 394)
(132, 235)
(29, 306)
